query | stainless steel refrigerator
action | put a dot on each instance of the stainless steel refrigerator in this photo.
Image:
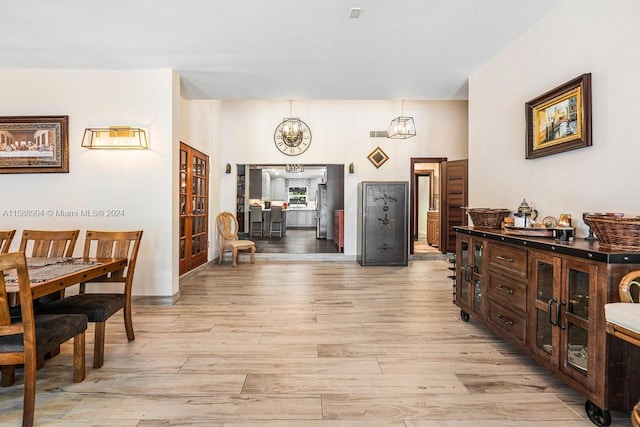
(321, 212)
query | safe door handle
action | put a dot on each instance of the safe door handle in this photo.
(504, 320)
(558, 314)
(503, 258)
(550, 311)
(505, 290)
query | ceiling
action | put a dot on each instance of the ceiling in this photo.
(273, 49)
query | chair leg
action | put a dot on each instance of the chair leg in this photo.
(8, 375)
(220, 256)
(78, 358)
(29, 405)
(128, 324)
(234, 253)
(98, 346)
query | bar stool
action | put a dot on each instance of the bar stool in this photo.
(276, 218)
(255, 217)
(623, 321)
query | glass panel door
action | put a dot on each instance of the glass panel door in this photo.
(194, 208)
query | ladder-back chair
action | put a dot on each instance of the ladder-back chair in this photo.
(99, 307)
(25, 339)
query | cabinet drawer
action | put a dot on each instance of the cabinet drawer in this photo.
(508, 259)
(508, 292)
(508, 321)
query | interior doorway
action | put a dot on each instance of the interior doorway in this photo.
(425, 204)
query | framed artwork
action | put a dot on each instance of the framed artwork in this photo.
(378, 157)
(34, 144)
(560, 120)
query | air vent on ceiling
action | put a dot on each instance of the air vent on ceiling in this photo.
(378, 133)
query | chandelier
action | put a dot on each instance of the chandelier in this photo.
(402, 127)
(292, 128)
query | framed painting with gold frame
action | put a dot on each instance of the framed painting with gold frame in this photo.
(560, 120)
(34, 144)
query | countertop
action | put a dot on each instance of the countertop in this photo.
(578, 247)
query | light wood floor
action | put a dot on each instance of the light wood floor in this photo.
(304, 344)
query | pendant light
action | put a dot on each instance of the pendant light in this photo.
(402, 127)
(292, 127)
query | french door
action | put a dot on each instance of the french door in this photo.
(194, 208)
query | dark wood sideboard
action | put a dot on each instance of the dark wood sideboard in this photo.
(547, 297)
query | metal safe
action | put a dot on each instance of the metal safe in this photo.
(382, 233)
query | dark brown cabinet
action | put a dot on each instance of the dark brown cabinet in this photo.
(433, 228)
(547, 298)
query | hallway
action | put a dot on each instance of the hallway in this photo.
(304, 344)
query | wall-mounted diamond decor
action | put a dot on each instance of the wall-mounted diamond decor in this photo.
(378, 157)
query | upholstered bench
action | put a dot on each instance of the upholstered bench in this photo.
(623, 321)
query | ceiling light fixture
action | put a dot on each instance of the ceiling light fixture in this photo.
(115, 137)
(292, 136)
(354, 12)
(402, 127)
(292, 127)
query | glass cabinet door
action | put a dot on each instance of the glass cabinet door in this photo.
(544, 333)
(579, 281)
(464, 264)
(478, 258)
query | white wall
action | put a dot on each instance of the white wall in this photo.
(140, 182)
(601, 38)
(340, 135)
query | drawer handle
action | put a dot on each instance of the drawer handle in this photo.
(502, 258)
(505, 290)
(504, 320)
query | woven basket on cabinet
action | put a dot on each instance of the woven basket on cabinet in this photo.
(616, 234)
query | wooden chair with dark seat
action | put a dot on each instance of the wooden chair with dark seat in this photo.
(623, 321)
(228, 230)
(99, 307)
(6, 237)
(49, 243)
(24, 339)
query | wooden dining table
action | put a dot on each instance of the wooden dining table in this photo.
(52, 275)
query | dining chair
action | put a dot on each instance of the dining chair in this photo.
(48, 243)
(99, 307)
(6, 237)
(227, 225)
(25, 339)
(255, 217)
(623, 321)
(276, 218)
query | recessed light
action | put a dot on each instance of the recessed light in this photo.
(355, 12)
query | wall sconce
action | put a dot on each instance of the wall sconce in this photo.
(227, 168)
(115, 137)
(352, 168)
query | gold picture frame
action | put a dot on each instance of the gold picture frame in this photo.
(378, 157)
(34, 144)
(560, 120)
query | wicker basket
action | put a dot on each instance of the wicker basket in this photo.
(616, 234)
(487, 217)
